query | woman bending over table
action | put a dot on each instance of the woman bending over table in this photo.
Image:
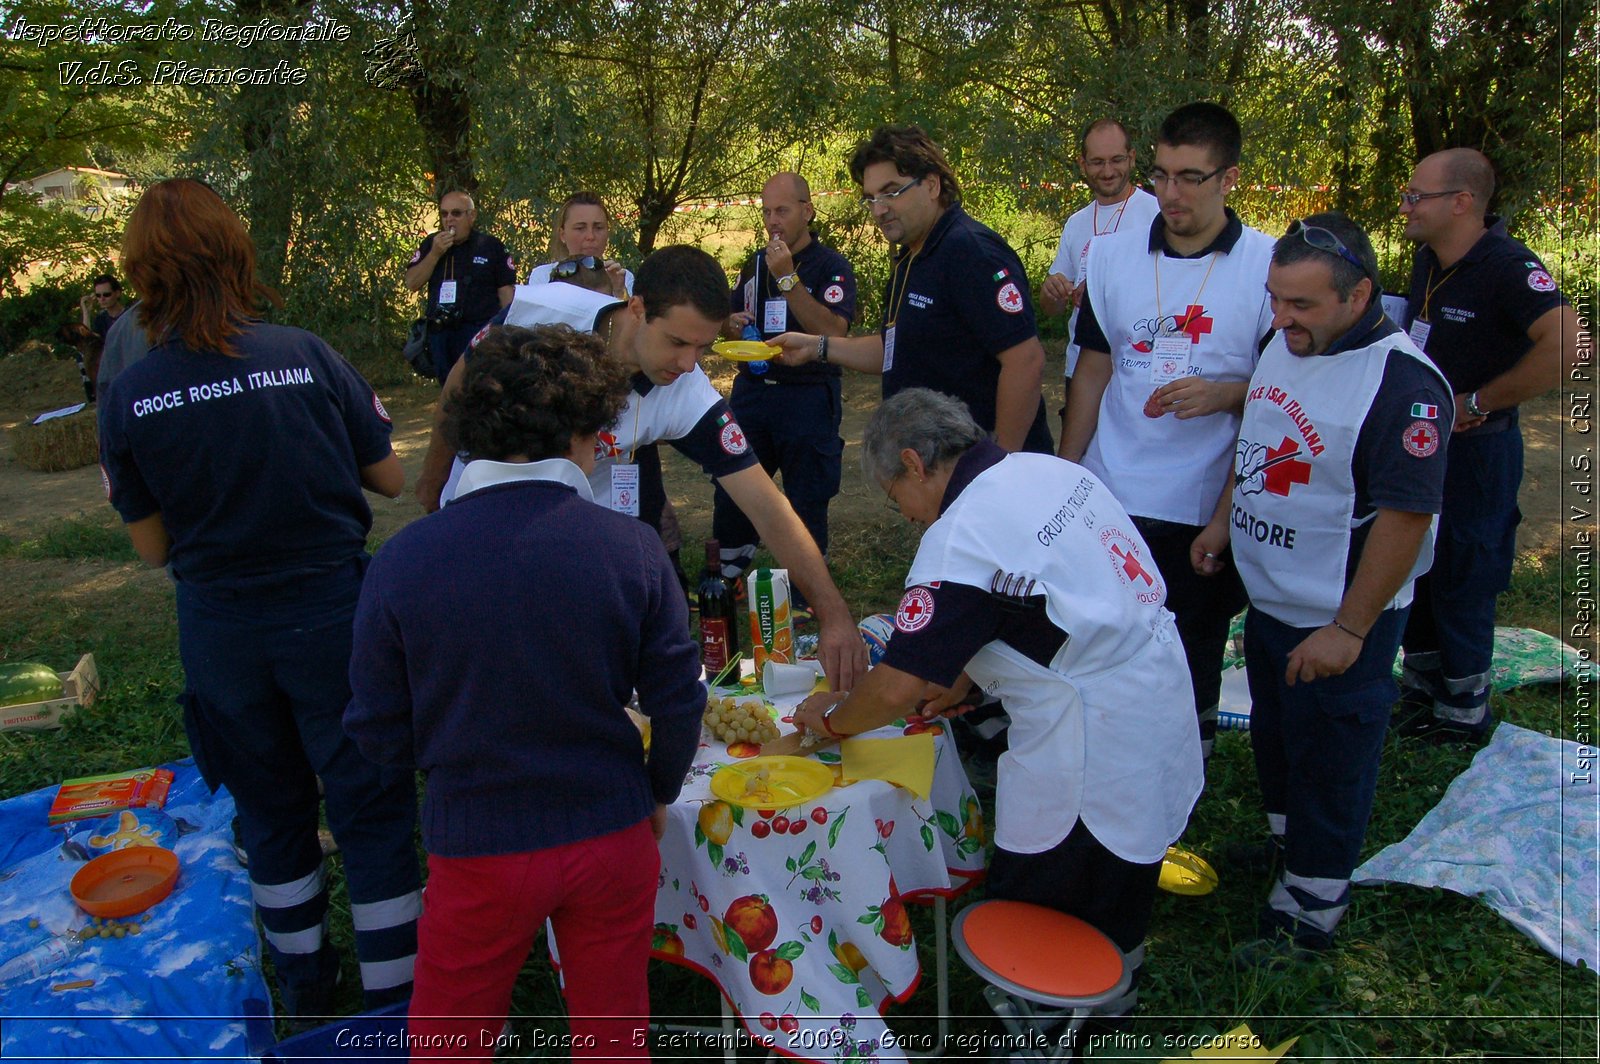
(507, 685)
(1032, 584)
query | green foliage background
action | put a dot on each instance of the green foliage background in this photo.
(659, 105)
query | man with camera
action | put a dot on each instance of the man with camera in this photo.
(469, 276)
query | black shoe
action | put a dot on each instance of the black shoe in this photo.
(1441, 732)
(1262, 858)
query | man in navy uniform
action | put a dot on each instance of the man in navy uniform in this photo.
(790, 414)
(468, 274)
(957, 312)
(1338, 472)
(1487, 311)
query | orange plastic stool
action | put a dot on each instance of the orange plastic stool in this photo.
(1033, 956)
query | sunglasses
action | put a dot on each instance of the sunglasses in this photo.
(570, 267)
(1325, 240)
(1411, 199)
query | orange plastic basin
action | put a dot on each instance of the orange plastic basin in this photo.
(125, 882)
(1042, 949)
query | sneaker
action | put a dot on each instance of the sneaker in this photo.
(1441, 732)
(1275, 954)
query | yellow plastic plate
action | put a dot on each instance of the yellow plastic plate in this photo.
(773, 781)
(1183, 872)
(744, 351)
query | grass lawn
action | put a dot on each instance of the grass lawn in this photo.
(1420, 975)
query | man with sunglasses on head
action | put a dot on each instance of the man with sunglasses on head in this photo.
(957, 311)
(1106, 157)
(1337, 475)
(791, 414)
(468, 274)
(1488, 312)
(1171, 323)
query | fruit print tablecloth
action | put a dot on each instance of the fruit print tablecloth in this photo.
(799, 914)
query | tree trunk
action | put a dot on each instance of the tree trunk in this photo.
(264, 130)
(443, 108)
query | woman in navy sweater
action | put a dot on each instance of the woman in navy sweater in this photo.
(497, 644)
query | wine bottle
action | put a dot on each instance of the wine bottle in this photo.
(719, 628)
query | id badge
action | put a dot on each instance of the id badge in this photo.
(1419, 333)
(750, 297)
(625, 488)
(1169, 359)
(447, 292)
(888, 349)
(775, 316)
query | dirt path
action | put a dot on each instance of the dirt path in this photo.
(29, 499)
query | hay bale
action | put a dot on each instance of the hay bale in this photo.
(62, 443)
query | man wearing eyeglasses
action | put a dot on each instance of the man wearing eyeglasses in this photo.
(1488, 312)
(1106, 157)
(103, 305)
(1172, 321)
(1339, 469)
(469, 275)
(957, 313)
(790, 414)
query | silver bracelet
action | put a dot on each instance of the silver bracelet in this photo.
(822, 349)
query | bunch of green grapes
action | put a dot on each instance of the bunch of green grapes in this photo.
(742, 722)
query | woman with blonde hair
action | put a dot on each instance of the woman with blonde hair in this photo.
(236, 451)
(582, 230)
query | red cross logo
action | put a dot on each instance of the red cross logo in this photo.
(1194, 322)
(916, 610)
(1420, 439)
(732, 439)
(913, 609)
(1283, 470)
(605, 444)
(1131, 567)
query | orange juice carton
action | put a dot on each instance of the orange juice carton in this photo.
(771, 624)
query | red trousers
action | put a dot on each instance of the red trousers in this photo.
(479, 919)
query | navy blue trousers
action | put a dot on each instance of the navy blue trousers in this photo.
(1449, 640)
(794, 429)
(1317, 745)
(268, 682)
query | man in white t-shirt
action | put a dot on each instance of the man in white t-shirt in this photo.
(1106, 156)
(1172, 321)
(659, 334)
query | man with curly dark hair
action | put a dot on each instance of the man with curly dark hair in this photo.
(540, 803)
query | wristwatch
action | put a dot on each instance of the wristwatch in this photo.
(1472, 406)
(788, 281)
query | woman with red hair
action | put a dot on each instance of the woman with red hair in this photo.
(236, 451)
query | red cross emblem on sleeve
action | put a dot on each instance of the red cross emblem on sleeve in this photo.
(1131, 567)
(1421, 439)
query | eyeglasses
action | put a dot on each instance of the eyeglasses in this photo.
(1325, 240)
(1158, 179)
(1411, 199)
(1101, 164)
(104, 295)
(456, 213)
(570, 267)
(891, 502)
(887, 198)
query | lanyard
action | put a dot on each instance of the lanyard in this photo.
(1116, 219)
(1160, 317)
(892, 311)
(1430, 288)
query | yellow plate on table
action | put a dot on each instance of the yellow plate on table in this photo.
(745, 351)
(773, 781)
(1183, 872)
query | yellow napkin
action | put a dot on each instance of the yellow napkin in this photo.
(1238, 1044)
(906, 761)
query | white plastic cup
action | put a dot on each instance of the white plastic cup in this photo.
(780, 680)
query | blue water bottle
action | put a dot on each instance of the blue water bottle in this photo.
(750, 332)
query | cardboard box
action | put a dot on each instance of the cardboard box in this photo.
(80, 687)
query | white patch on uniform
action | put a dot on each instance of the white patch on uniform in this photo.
(511, 265)
(1010, 298)
(377, 405)
(1421, 439)
(732, 439)
(1132, 568)
(105, 480)
(1541, 281)
(833, 293)
(915, 610)
(417, 257)
(479, 336)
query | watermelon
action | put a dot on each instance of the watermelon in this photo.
(28, 681)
